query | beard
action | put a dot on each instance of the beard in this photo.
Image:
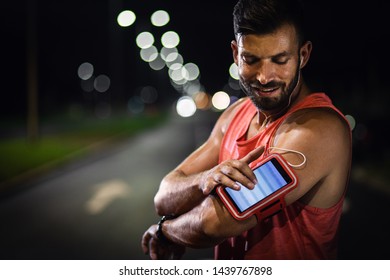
(271, 104)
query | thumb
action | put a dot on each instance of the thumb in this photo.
(253, 155)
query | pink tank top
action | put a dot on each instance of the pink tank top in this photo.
(299, 231)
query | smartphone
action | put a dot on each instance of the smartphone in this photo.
(275, 179)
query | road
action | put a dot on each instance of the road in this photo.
(99, 207)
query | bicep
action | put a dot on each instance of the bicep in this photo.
(323, 141)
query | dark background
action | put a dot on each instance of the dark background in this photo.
(349, 59)
(350, 62)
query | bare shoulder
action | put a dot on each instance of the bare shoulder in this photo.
(320, 132)
(323, 137)
(318, 124)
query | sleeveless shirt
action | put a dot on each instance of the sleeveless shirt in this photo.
(299, 231)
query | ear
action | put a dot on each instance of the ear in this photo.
(234, 46)
(305, 52)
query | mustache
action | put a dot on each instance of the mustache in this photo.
(270, 85)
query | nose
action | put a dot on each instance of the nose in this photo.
(265, 73)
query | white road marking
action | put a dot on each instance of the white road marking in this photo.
(106, 194)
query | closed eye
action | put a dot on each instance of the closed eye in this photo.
(281, 59)
(249, 59)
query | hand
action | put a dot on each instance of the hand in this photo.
(158, 250)
(229, 172)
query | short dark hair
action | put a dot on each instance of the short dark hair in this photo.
(266, 16)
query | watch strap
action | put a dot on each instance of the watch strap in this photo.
(159, 233)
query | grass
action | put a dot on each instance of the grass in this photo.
(65, 140)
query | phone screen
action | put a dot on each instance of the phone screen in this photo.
(270, 177)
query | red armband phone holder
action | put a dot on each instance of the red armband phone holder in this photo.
(275, 179)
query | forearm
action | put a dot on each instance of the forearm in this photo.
(178, 193)
(206, 225)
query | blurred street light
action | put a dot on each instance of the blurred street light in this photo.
(126, 18)
(160, 18)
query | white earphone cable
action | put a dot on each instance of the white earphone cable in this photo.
(292, 151)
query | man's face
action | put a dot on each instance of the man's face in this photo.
(269, 67)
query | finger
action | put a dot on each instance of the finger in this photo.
(247, 172)
(221, 179)
(241, 173)
(153, 249)
(253, 155)
(145, 242)
(208, 185)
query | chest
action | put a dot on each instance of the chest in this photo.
(255, 127)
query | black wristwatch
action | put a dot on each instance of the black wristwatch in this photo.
(159, 233)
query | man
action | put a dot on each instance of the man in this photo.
(280, 115)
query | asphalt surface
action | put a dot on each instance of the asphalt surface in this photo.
(99, 207)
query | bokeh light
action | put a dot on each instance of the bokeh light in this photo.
(169, 54)
(186, 107)
(233, 71)
(191, 71)
(85, 71)
(145, 40)
(170, 39)
(149, 54)
(102, 83)
(175, 72)
(202, 100)
(351, 120)
(157, 64)
(192, 87)
(174, 58)
(126, 18)
(220, 100)
(160, 18)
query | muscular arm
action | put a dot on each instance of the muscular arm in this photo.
(325, 142)
(206, 225)
(324, 139)
(320, 135)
